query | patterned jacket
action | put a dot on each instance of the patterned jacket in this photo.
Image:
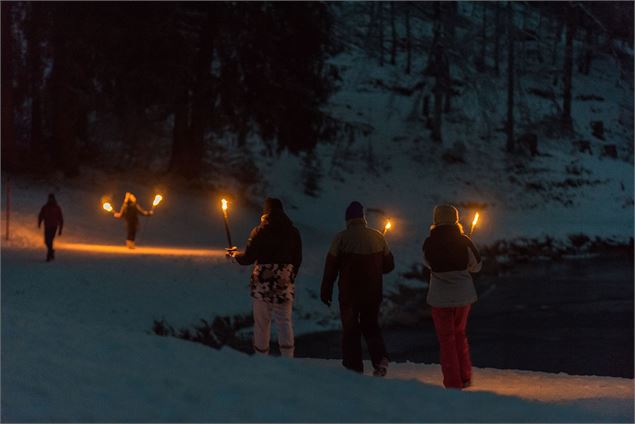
(275, 247)
(451, 256)
(359, 255)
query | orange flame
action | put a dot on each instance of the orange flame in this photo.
(107, 206)
(157, 200)
(475, 220)
(224, 205)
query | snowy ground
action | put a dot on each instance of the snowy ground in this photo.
(76, 342)
(57, 369)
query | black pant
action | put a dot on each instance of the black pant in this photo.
(132, 231)
(359, 319)
(49, 236)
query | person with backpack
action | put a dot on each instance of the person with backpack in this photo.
(130, 211)
(451, 257)
(359, 256)
(51, 215)
(275, 249)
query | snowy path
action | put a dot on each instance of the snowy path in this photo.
(610, 397)
(76, 343)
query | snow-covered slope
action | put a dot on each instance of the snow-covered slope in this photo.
(56, 369)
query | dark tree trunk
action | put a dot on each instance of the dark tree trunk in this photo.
(568, 65)
(202, 99)
(452, 11)
(9, 154)
(393, 47)
(64, 146)
(380, 8)
(522, 41)
(408, 39)
(557, 35)
(510, 78)
(497, 41)
(585, 64)
(436, 24)
(35, 76)
(193, 110)
(371, 24)
(438, 113)
(481, 60)
(180, 134)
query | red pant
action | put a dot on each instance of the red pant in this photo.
(456, 364)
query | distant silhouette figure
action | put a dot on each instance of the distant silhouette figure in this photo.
(130, 211)
(51, 215)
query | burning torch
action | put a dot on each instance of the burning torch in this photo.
(388, 226)
(231, 248)
(157, 200)
(107, 207)
(474, 221)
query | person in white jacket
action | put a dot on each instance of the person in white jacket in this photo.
(451, 257)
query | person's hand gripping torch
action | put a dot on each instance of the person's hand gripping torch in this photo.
(231, 249)
(474, 221)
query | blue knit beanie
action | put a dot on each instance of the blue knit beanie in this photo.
(354, 210)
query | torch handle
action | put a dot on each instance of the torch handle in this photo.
(229, 237)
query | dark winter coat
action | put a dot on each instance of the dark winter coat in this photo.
(131, 211)
(274, 241)
(360, 256)
(451, 256)
(51, 215)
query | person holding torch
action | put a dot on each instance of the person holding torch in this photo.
(451, 257)
(130, 211)
(275, 247)
(357, 259)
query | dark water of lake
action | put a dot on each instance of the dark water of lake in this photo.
(574, 316)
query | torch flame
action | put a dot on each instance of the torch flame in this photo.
(157, 200)
(387, 226)
(224, 202)
(107, 207)
(475, 220)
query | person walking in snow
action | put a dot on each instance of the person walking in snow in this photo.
(51, 215)
(275, 247)
(451, 256)
(130, 211)
(360, 256)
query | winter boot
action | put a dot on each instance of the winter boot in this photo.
(130, 244)
(381, 369)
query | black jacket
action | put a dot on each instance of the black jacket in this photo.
(360, 256)
(131, 211)
(274, 241)
(446, 249)
(51, 215)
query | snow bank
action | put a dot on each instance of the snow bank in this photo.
(60, 370)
